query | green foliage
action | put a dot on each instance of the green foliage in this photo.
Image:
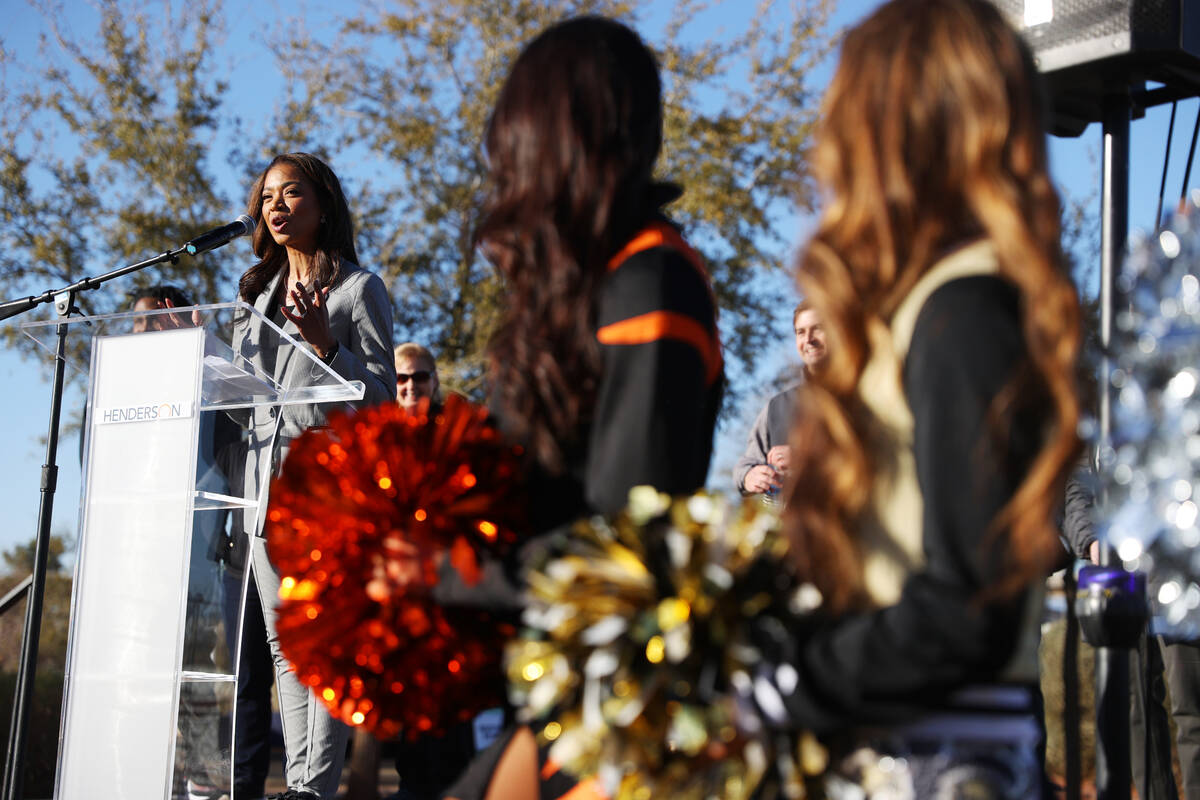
(41, 748)
(56, 605)
(19, 560)
(115, 138)
(104, 154)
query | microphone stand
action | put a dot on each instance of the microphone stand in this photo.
(1113, 768)
(64, 304)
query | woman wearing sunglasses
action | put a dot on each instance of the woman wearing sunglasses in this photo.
(416, 376)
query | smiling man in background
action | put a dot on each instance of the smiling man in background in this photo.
(765, 462)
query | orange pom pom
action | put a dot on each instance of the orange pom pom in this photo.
(362, 515)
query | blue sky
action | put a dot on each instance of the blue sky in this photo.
(25, 406)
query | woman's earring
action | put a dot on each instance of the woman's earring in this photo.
(322, 219)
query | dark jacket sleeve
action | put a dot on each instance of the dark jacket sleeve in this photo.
(1078, 529)
(652, 422)
(655, 408)
(888, 664)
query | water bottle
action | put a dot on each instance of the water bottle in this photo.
(771, 496)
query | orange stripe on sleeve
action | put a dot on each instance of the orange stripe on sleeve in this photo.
(585, 790)
(647, 239)
(651, 327)
(658, 234)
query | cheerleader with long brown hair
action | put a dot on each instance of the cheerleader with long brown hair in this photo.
(935, 443)
(606, 363)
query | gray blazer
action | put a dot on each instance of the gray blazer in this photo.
(360, 316)
(771, 427)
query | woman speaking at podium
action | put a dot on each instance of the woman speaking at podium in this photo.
(309, 284)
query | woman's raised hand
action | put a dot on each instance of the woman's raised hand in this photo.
(312, 318)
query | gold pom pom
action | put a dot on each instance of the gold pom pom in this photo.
(640, 652)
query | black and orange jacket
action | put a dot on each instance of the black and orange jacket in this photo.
(662, 373)
(654, 412)
(652, 423)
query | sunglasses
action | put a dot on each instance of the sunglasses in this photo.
(420, 376)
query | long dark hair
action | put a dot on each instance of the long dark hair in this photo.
(570, 146)
(931, 137)
(335, 236)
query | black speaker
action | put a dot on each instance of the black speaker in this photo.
(1087, 49)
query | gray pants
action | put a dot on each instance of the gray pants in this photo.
(1181, 663)
(314, 742)
(1174, 671)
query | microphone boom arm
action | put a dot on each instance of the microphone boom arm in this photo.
(11, 308)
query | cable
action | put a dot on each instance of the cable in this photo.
(1187, 173)
(1162, 187)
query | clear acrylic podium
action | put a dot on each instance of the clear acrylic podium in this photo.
(150, 685)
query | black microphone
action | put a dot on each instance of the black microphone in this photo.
(220, 236)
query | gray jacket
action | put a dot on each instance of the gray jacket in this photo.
(1078, 509)
(771, 427)
(360, 316)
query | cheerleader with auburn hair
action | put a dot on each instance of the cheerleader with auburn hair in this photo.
(935, 443)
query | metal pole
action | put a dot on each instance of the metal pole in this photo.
(1113, 774)
(14, 764)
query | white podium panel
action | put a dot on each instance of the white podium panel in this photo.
(150, 685)
(135, 536)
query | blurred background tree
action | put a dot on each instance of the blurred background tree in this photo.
(18, 565)
(408, 90)
(129, 140)
(105, 154)
(42, 746)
